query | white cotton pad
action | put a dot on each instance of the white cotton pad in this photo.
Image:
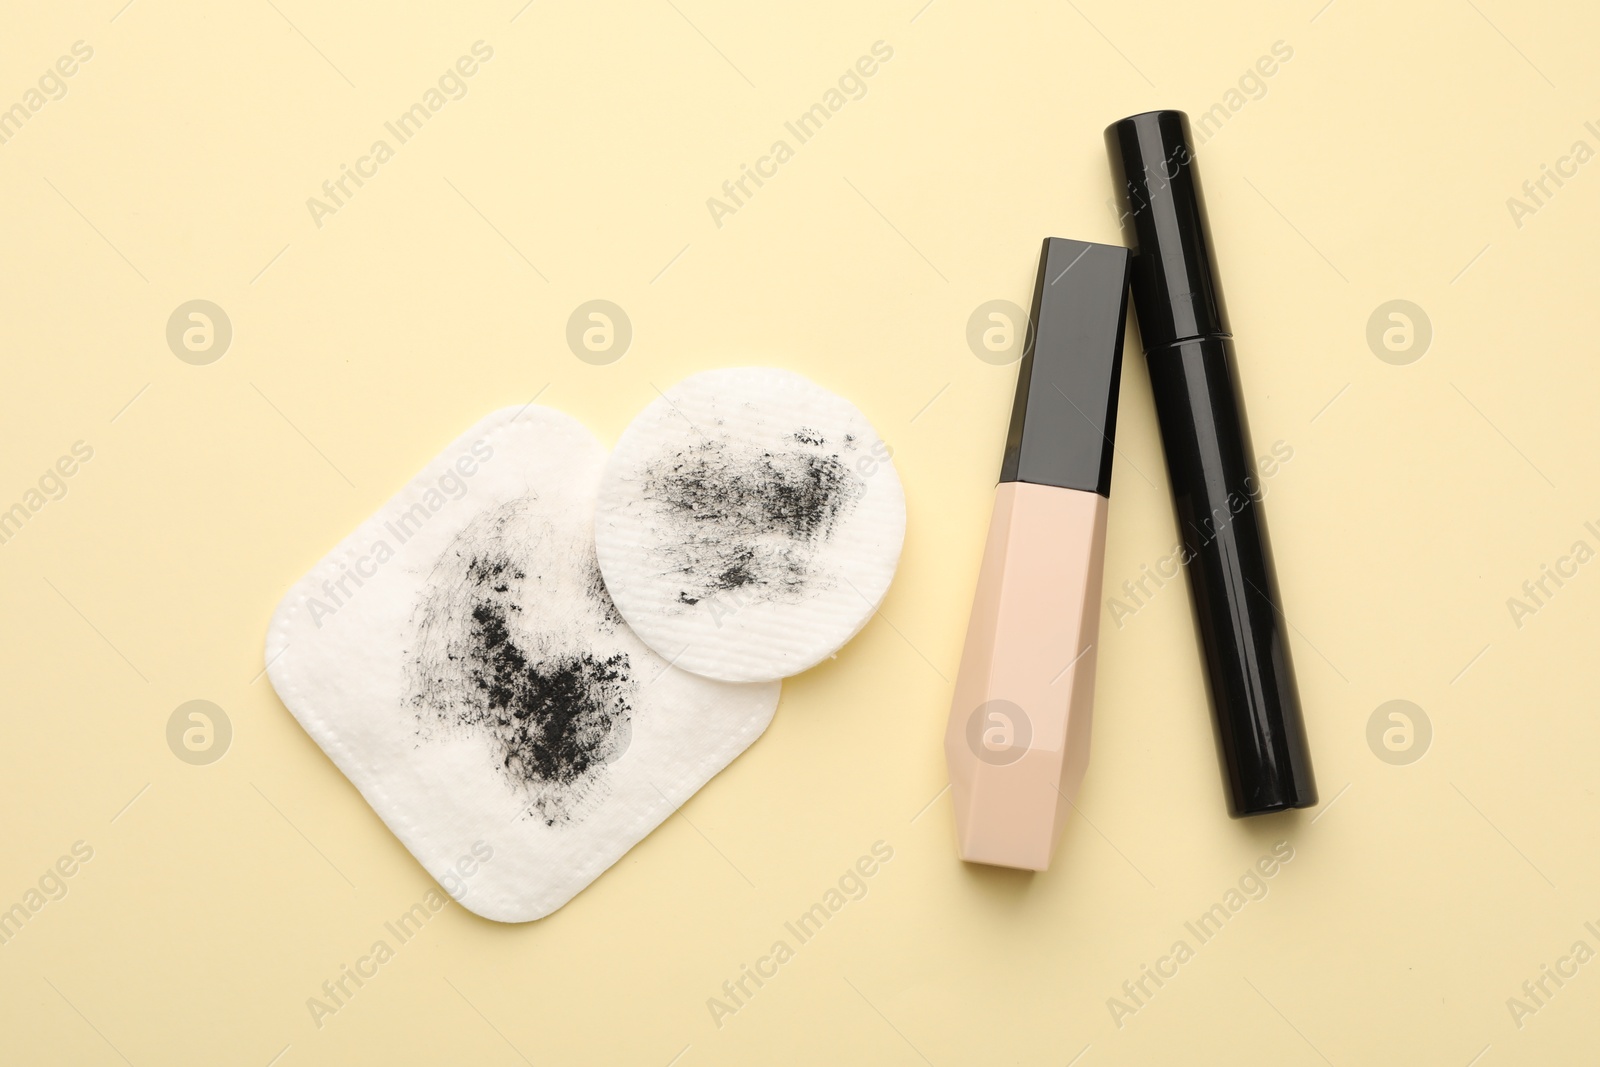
(459, 660)
(749, 523)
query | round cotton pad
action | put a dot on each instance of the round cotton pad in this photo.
(749, 523)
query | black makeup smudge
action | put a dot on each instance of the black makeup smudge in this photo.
(556, 709)
(611, 618)
(736, 517)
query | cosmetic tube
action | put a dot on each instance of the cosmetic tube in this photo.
(1188, 345)
(1017, 742)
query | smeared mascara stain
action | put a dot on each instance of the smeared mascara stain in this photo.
(556, 709)
(738, 517)
(599, 595)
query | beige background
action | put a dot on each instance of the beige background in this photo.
(1374, 165)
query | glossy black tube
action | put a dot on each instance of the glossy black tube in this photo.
(1256, 708)
(1183, 325)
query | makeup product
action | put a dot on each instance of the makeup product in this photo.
(1017, 742)
(1189, 349)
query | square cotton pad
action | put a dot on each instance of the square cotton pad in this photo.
(749, 523)
(459, 659)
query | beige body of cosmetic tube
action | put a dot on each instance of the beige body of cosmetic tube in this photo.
(1018, 740)
(1017, 743)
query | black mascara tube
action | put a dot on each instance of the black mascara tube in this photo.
(1189, 349)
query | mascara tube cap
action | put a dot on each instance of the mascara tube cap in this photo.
(1174, 274)
(1216, 486)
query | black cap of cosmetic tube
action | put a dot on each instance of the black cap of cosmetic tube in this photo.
(1064, 416)
(1174, 275)
(1188, 347)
